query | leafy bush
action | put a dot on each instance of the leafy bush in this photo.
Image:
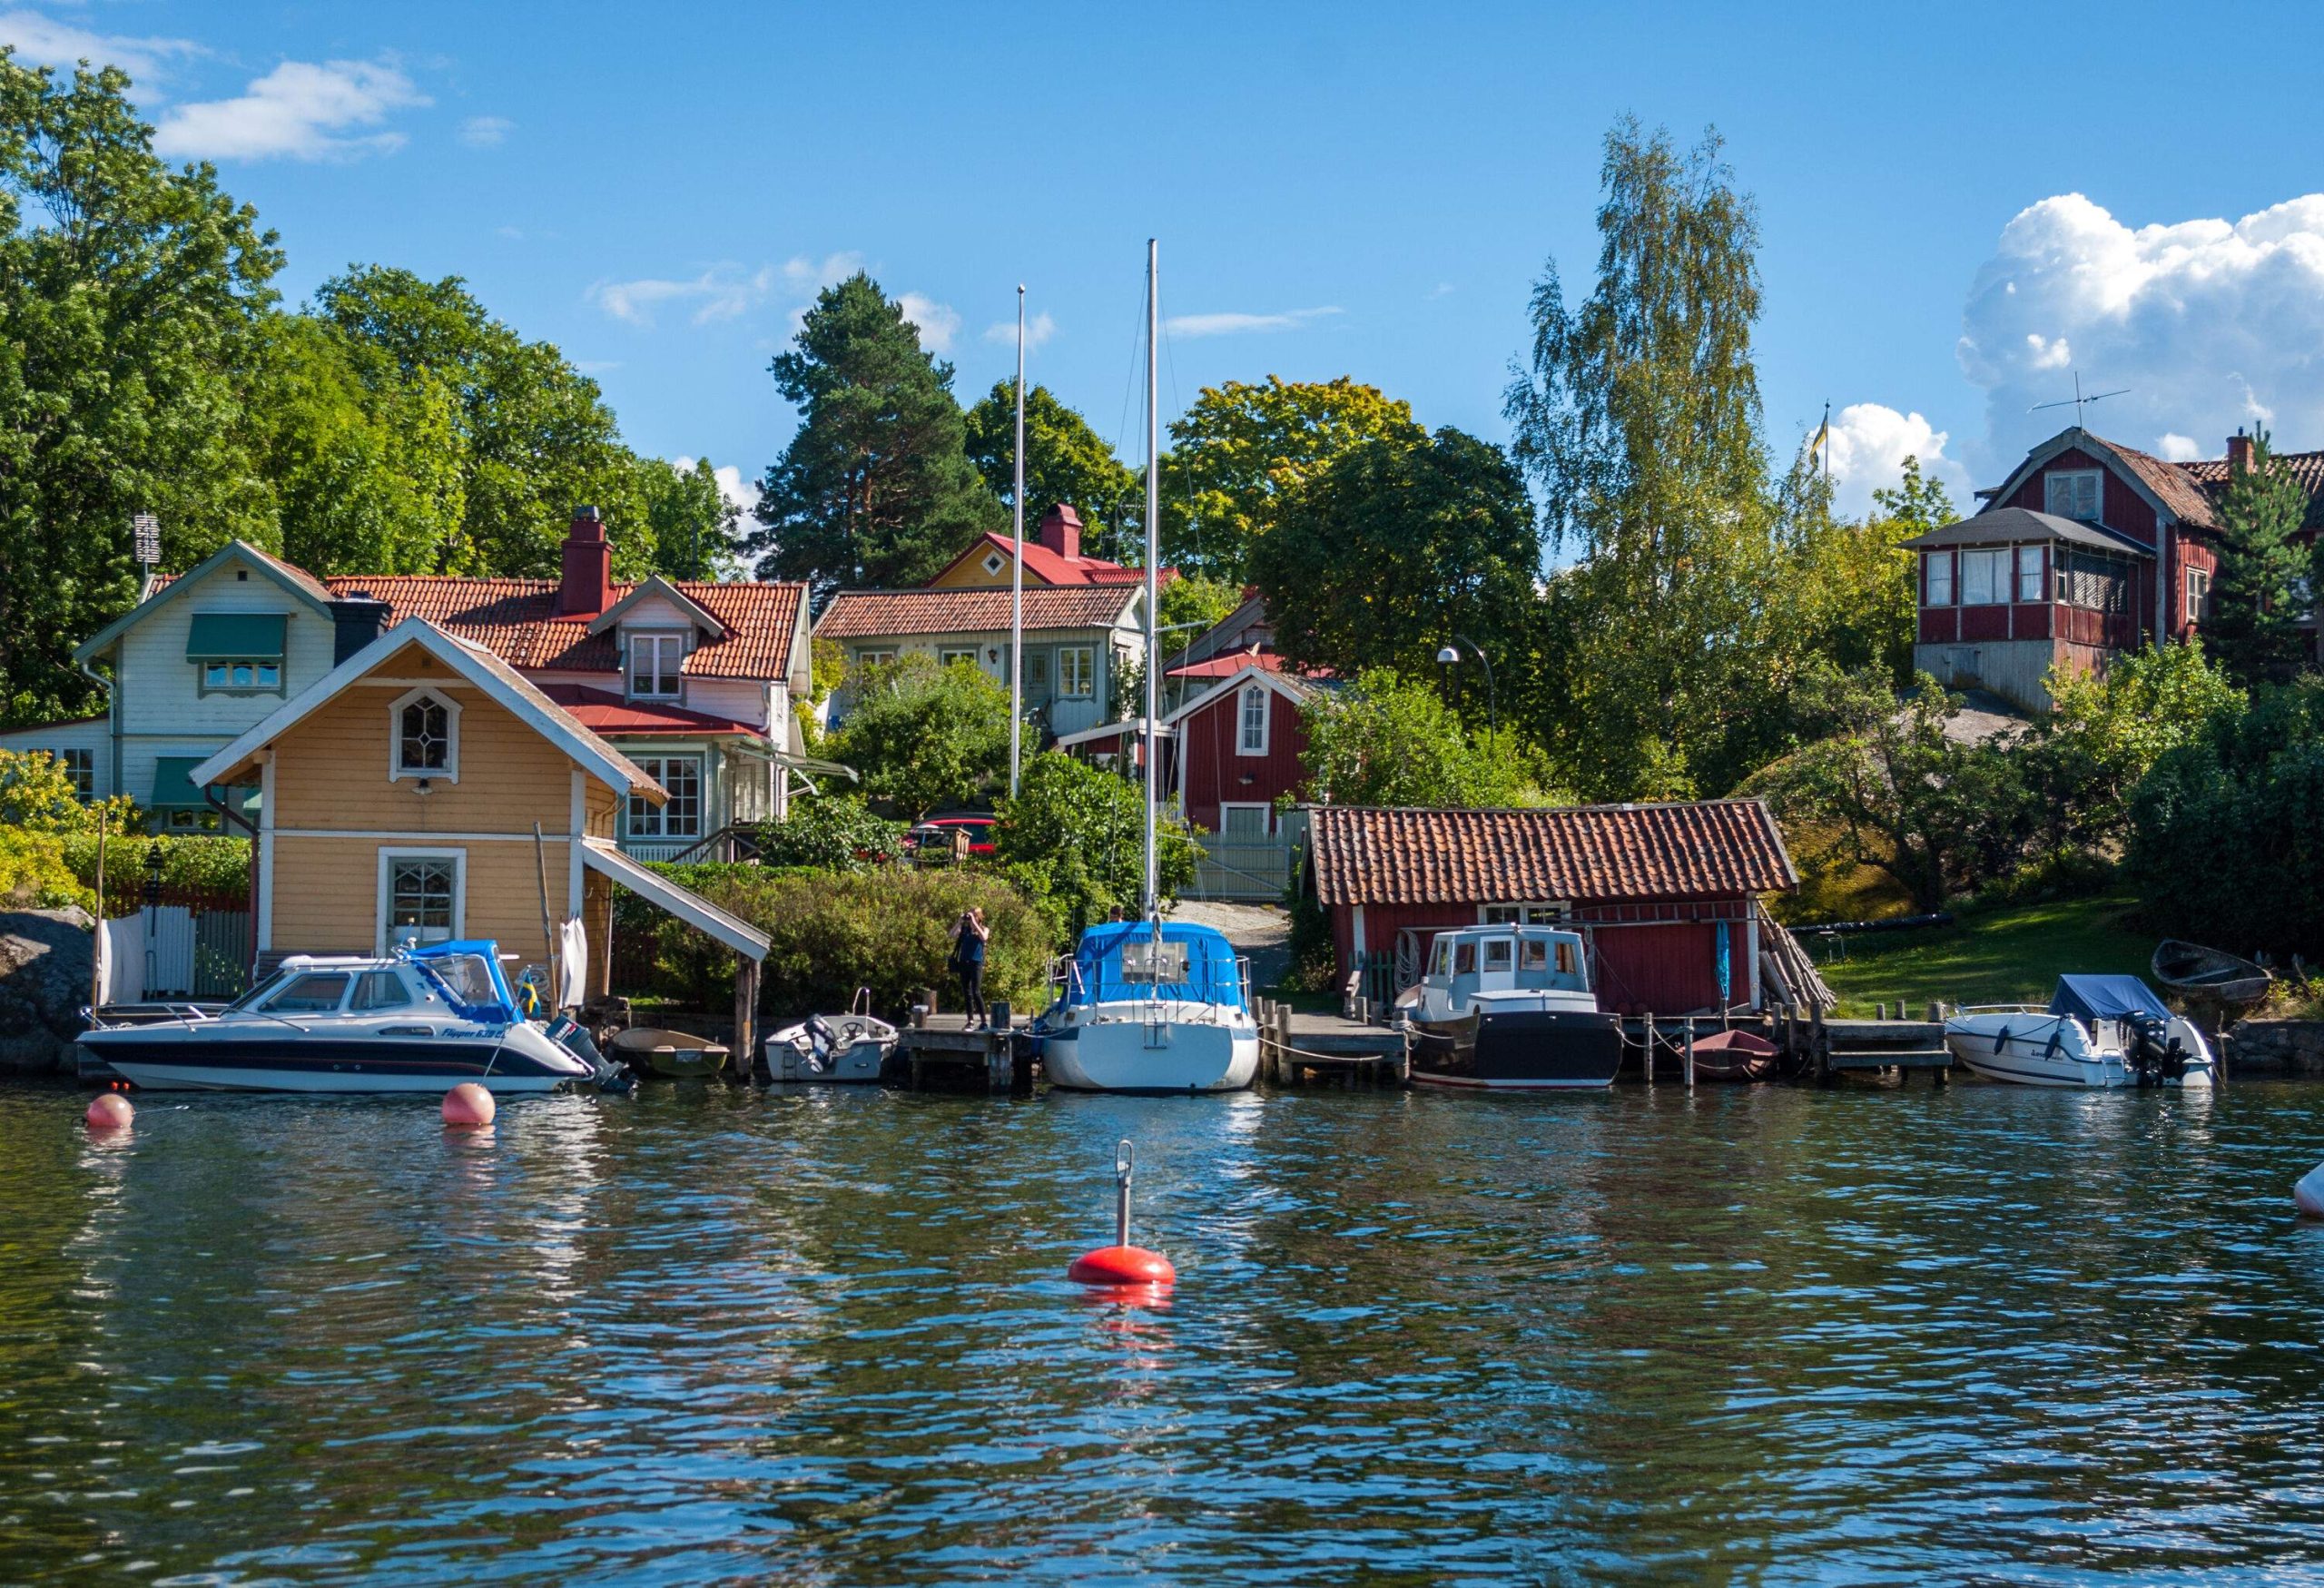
(32, 872)
(208, 866)
(1389, 741)
(1075, 839)
(1314, 956)
(834, 932)
(36, 794)
(834, 833)
(2106, 731)
(923, 736)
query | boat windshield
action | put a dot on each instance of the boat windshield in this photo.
(468, 980)
(258, 993)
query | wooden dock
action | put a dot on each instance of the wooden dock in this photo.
(1297, 1047)
(945, 1055)
(1828, 1046)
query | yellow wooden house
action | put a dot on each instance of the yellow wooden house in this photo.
(423, 791)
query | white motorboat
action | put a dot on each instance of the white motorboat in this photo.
(2102, 1032)
(1509, 1009)
(840, 1049)
(421, 1020)
(1149, 1006)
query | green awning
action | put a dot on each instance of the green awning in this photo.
(173, 789)
(236, 637)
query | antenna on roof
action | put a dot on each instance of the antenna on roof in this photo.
(2078, 401)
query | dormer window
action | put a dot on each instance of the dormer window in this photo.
(654, 663)
(424, 729)
(2072, 493)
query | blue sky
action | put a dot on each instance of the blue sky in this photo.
(1339, 190)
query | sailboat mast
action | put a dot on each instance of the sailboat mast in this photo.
(1153, 540)
(1017, 573)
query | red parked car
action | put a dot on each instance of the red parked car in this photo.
(936, 832)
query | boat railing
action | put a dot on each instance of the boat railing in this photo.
(2002, 1008)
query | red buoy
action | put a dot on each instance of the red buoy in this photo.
(1122, 1264)
(110, 1111)
(469, 1104)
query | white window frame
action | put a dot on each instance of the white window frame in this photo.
(79, 763)
(655, 764)
(389, 855)
(2199, 595)
(1995, 561)
(635, 642)
(225, 684)
(2030, 569)
(946, 655)
(1267, 815)
(448, 772)
(1081, 659)
(1543, 913)
(1243, 698)
(1943, 584)
(875, 658)
(2073, 481)
(994, 562)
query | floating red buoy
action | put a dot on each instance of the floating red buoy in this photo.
(469, 1104)
(1122, 1264)
(110, 1111)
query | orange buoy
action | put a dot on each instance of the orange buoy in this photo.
(1122, 1264)
(469, 1104)
(110, 1111)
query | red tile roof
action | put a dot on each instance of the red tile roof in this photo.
(880, 613)
(1054, 568)
(514, 619)
(1582, 853)
(1226, 663)
(604, 713)
(2307, 470)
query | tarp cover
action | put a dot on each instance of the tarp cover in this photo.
(468, 998)
(1211, 974)
(2106, 997)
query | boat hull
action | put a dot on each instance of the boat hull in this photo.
(1529, 1050)
(2051, 1050)
(1115, 1055)
(309, 1064)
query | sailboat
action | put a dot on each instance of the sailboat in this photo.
(1142, 1006)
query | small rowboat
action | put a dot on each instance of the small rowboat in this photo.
(1734, 1056)
(654, 1051)
(2192, 971)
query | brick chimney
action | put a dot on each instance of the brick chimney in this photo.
(587, 588)
(2239, 453)
(1061, 531)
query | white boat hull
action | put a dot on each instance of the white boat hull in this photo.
(1123, 1053)
(2030, 1049)
(148, 1077)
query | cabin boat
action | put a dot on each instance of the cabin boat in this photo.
(2098, 1031)
(842, 1049)
(1147, 1006)
(423, 1020)
(1509, 1009)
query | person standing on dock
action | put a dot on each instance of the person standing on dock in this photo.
(969, 939)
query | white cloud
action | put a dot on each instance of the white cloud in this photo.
(484, 132)
(939, 323)
(43, 41)
(808, 277)
(1037, 329)
(743, 493)
(301, 110)
(2210, 324)
(720, 293)
(1442, 290)
(1231, 324)
(1869, 444)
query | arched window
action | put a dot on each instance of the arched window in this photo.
(424, 736)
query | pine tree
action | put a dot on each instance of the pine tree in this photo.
(875, 488)
(2257, 599)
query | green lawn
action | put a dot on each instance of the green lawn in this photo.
(1999, 956)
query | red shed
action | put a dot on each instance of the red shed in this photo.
(1240, 746)
(1665, 894)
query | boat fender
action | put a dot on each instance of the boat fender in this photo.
(468, 1106)
(2309, 1193)
(110, 1111)
(1122, 1265)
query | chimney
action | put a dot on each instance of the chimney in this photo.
(1061, 531)
(2239, 453)
(356, 621)
(587, 588)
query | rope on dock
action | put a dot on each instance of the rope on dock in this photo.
(1285, 1048)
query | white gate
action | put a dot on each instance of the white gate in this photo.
(149, 954)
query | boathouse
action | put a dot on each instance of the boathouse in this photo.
(1667, 896)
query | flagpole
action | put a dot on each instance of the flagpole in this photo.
(1017, 573)
(1824, 437)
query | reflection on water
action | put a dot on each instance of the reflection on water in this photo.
(1763, 1335)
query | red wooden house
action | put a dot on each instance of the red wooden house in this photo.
(1237, 746)
(1667, 896)
(2089, 549)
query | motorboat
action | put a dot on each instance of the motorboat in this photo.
(842, 1049)
(2105, 1032)
(1150, 1006)
(1509, 1009)
(422, 1020)
(670, 1055)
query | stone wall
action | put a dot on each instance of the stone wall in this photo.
(45, 960)
(2275, 1047)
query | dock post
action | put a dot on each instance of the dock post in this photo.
(1821, 1043)
(742, 1060)
(1690, 1052)
(1650, 1047)
(1941, 1075)
(999, 1047)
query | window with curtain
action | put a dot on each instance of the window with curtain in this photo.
(2072, 493)
(1984, 577)
(1077, 672)
(1940, 579)
(2029, 573)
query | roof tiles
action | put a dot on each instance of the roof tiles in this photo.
(883, 614)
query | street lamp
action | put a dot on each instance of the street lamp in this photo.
(1449, 657)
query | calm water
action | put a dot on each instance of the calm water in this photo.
(1763, 1335)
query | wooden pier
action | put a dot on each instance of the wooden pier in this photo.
(945, 1055)
(1296, 1047)
(1828, 1047)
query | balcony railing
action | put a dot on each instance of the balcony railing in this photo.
(657, 849)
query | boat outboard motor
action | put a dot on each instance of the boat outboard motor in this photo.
(574, 1037)
(2156, 1057)
(821, 1041)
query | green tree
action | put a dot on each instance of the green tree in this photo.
(2105, 731)
(1190, 604)
(875, 488)
(1392, 548)
(1639, 421)
(1242, 447)
(1067, 464)
(1075, 838)
(1848, 586)
(2259, 598)
(833, 832)
(1384, 741)
(131, 296)
(923, 736)
(693, 527)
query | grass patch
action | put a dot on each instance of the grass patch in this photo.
(2008, 955)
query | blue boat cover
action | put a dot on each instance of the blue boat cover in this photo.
(1210, 976)
(487, 950)
(2106, 997)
